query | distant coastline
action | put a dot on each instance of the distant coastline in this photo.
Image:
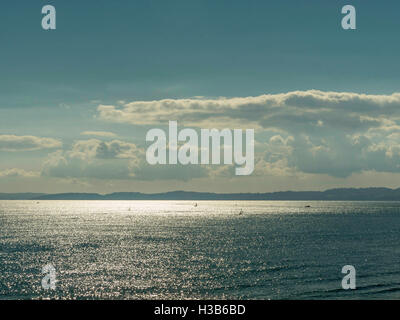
(351, 194)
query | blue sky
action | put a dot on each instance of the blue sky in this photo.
(120, 52)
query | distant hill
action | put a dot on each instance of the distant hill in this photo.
(362, 194)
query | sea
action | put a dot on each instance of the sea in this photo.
(198, 249)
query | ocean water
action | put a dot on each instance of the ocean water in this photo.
(174, 250)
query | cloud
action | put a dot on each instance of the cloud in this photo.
(60, 166)
(94, 148)
(301, 110)
(27, 143)
(94, 159)
(15, 172)
(113, 160)
(104, 134)
(302, 132)
(315, 132)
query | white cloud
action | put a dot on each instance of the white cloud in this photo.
(27, 143)
(94, 148)
(114, 160)
(300, 132)
(317, 132)
(94, 159)
(105, 134)
(15, 172)
(299, 108)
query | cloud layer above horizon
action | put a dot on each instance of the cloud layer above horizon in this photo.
(335, 134)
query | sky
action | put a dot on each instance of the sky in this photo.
(76, 102)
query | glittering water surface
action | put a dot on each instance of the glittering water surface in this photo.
(172, 249)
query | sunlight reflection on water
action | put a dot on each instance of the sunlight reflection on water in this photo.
(174, 250)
